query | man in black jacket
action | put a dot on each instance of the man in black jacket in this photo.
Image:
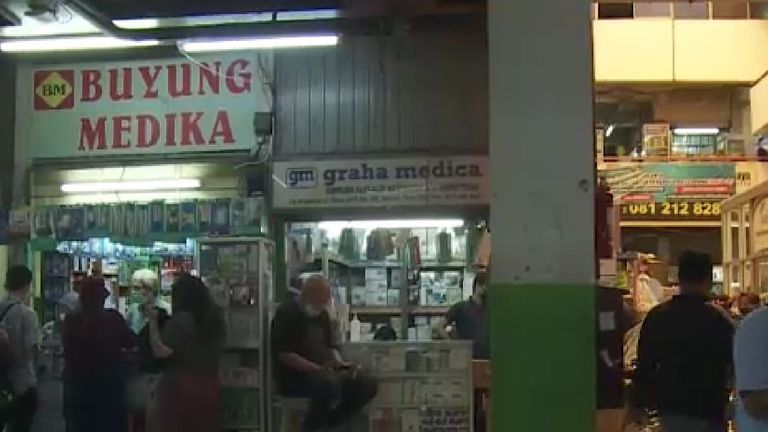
(307, 363)
(684, 355)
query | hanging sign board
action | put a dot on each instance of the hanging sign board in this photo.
(140, 107)
(452, 180)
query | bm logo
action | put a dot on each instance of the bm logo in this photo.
(54, 90)
(301, 178)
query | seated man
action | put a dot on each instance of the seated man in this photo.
(308, 365)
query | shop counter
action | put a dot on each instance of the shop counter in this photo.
(422, 385)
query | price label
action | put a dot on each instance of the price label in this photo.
(671, 210)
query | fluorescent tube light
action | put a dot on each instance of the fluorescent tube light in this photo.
(696, 131)
(71, 44)
(130, 186)
(392, 224)
(259, 43)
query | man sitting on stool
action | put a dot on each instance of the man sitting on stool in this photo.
(308, 365)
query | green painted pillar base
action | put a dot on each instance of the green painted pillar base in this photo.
(542, 358)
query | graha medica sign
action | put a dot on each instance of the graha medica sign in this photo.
(134, 108)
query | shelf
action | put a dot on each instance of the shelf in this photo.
(429, 310)
(451, 265)
(375, 310)
(358, 263)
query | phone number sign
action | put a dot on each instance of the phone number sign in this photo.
(671, 211)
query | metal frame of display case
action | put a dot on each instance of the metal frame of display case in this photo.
(744, 251)
(432, 355)
(265, 299)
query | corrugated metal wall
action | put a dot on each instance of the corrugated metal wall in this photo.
(383, 95)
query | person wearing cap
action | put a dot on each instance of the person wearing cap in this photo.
(95, 341)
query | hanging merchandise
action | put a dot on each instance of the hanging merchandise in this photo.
(43, 222)
(130, 221)
(143, 225)
(379, 245)
(348, 246)
(187, 217)
(444, 247)
(413, 248)
(220, 221)
(70, 222)
(205, 216)
(157, 217)
(171, 218)
(117, 228)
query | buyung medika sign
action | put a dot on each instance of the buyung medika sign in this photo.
(130, 108)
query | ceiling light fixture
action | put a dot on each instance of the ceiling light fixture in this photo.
(130, 186)
(696, 131)
(259, 43)
(70, 44)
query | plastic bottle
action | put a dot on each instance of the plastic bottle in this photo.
(354, 329)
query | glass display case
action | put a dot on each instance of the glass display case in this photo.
(424, 386)
(401, 273)
(238, 271)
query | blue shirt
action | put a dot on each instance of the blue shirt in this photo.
(750, 355)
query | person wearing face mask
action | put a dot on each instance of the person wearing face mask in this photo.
(307, 363)
(466, 320)
(145, 296)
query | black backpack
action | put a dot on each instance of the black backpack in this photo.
(6, 362)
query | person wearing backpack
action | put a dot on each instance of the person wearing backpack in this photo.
(20, 333)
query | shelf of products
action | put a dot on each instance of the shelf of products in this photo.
(424, 386)
(402, 274)
(238, 272)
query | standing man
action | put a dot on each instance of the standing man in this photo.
(20, 325)
(308, 364)
(751, 368)
(684, 355)
(466, 320)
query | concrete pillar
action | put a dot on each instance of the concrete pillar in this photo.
(542, 215)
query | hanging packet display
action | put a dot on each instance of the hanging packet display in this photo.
(187, 217)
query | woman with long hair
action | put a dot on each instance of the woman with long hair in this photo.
(187, 395)
(96, 342)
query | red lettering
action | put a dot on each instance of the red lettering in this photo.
(149, 131)
(222, 128)
(126, 93)
(190, 128)
(170, 130)
(90, 83)
(239, 77)
(185, 89)
(120, 125)
(150, 76)
(93, 137)
(210, 74)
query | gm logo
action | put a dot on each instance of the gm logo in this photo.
(301, 178)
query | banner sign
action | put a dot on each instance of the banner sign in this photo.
(667, 191)
(140, 107)
(453, 180)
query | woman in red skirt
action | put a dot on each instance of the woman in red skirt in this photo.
(187, 396)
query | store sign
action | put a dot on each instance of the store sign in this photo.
(133, 108)
(670, 192)
(455, 180)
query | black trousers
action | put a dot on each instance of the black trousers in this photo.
(335, 397)
(21, 413)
